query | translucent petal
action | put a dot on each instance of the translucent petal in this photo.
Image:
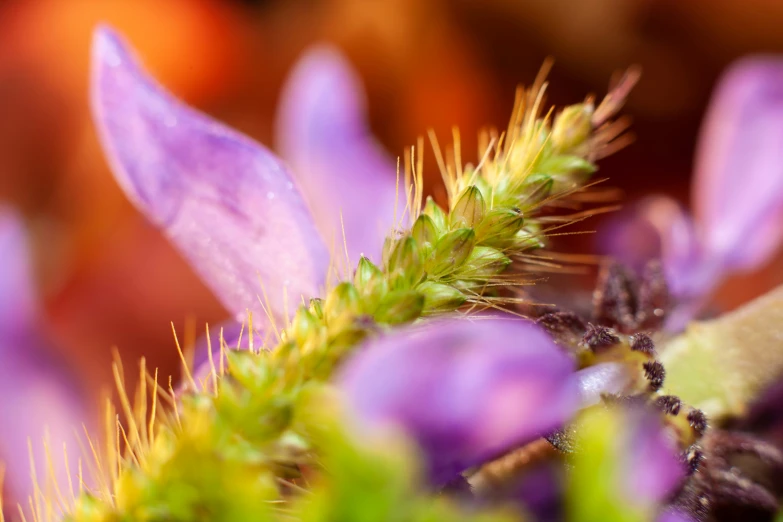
(738, 188)
(322, 131)
(226, 202)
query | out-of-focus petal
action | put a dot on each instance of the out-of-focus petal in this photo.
(659, 227)
(652, 467)
(225, 201)
(37, 396)
(623, 464)
(323, 133)
(738, 190)
(466, 391)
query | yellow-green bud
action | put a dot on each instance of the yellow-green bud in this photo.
(436, 213)
(400, 306)
(440, 298)
(452, 250)
(344, 298)
(424, 230)
(499, 226)
(469, 208)
(572, 127)
(484, 262)
(405, 266)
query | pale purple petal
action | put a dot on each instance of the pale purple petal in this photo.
(738, 190)
(225, 201)
(323, 133)
(659, 227)
(466, 391)
(652, 467)
(37, 394)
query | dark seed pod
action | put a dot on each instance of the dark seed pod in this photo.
(566, 327)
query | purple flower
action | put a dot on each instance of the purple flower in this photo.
(40, 398)
(229, 204)
(466, 391)
(737, 194)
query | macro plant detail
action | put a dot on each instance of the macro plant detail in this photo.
(386, 374)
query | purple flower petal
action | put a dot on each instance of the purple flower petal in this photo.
(652, 466)
(738, 192)
(466, 391)
(37, 395)
(658, 227)
(225, 201)
(322, 132)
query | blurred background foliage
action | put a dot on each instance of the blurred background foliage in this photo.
(108, 278)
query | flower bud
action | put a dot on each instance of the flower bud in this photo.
(344, 298)
(484, 262)
(452, 250)
(424, 230)
(405, 266)
(400, 306)
(572, 127)
(370, 282)
(469, 208)
(440, 298)
(499, 226)
(436, 213)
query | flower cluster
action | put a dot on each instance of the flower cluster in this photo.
(392, 380)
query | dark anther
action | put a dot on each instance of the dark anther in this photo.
(614, 298)
(565, 327)
(669, 404)
(653, 297)
(655, 373)
(698, 421)
(597, 337)
(693, 459)
(642, 343)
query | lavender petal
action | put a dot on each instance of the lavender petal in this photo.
(466, 391)
(323, 133)
(738, 191)
(226, 202)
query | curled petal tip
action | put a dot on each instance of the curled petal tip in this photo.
(224, 201)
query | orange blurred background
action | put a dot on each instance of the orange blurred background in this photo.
(108, 278)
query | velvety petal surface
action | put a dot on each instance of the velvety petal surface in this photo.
(322, 131)
(738, 188)
(466, 391)
(38, 396)
(226, 202)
